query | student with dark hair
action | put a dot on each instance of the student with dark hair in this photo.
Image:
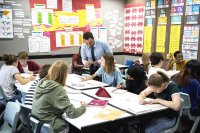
(92, 51)
(156, 62)
(108, 72)
(188, 81)
(51, 101)
(42, 73)
(25, 65)
(177, 64)
(9, 74)
(77, 64)
(167, 94)
(136, 79)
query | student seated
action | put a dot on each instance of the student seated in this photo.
(77, 64)
(177, 64)
(135, 79)
(144, 61)
(167, 94)
(9, 74)
(42, 73)
(51, 101)
(188, 82)
(156, 62)
(25, 65)
(109, 73)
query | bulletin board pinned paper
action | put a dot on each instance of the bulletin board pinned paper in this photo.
(58, 20)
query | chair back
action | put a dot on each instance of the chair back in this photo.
(187, 102)
(2, 96)
(186, 111)
(11, 115)
(46, 128)
(23, 114)
(175, 127)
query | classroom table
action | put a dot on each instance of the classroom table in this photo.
(88, 121)
(120, 66)
(126, 101)
(74, 81)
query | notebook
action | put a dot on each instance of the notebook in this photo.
(98, 103)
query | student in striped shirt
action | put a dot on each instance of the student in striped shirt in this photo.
(42, 73)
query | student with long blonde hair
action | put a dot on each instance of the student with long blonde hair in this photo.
(51, 101)
(108, 72)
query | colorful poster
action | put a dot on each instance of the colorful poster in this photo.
(133, 36)
(190, 42)
(192, 19)
(174, 38)
(147, 39)
(6, 23)
(66, 39)
(162, 20)
(175, 19)
(149, 22)
(177, 10)
(160, 41)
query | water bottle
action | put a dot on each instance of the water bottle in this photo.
(174, 66)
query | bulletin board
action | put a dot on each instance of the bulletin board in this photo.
(172, 25)
(58, 20)
(6, 23)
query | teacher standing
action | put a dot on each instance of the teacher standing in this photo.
(92, 50)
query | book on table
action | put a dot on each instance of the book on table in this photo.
(98, 103)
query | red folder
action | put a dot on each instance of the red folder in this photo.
(102, 92)
(98, 103)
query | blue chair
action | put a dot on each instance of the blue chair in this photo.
(46, 128)
(11, 117)
(186, 111)
(129, 63)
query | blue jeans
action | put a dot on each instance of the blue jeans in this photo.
(157, 125)
(16, 97)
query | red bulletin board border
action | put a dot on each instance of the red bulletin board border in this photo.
(76, 5)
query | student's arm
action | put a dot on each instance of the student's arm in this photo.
(89, 77)
(169, 63)
(75, 64)
(144, 94)
(21, 80)
(118, 78)
(174, 104)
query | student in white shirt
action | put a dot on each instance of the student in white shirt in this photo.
(156, 62)
(9, 74)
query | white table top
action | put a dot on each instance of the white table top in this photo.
(88, 118)
(74, 81)
(126, 101)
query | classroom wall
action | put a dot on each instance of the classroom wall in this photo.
(13, 46)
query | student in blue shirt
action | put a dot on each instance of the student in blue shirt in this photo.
(188, 82)
(92, 51)
(108, 72)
